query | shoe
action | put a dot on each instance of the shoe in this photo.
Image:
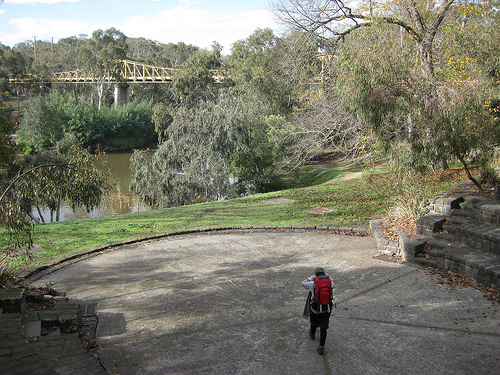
(321, 349)
(311, 335)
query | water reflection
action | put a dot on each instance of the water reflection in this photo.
(120, 201)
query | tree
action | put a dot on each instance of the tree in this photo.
(98, 57)
(17, 66)
(211, 151)
(162, 119)
(191, 165)
(196, 81)
(40, 128)
(155, 53)
(8, 147)
(375, 74)
(4, 73)
(68, 173)
(260, 64)
(321, 122)
(336, 19)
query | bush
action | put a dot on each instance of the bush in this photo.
(49, 117)
(489, 176)
(410, 204)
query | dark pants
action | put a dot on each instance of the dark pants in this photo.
(321, 321)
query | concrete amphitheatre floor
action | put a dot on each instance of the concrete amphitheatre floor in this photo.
(231, 303)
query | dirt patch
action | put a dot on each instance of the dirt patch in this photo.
(319, 210)
(407, 226)
(350, 175)
(468, 188)
(278, 201)
(36, 300)
(35, 249)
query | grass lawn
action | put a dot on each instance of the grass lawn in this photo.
(353, 204)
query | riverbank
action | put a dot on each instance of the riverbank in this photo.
(351, 203)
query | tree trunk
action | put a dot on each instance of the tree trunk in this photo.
(469, 175)
(58, 211)
(100, 93)
(425, 54)
(40, 214)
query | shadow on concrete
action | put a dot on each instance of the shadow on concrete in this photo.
(232, 304)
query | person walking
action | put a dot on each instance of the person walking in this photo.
(321, 287)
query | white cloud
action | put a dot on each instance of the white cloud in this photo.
(197, 27)
(187, 3)
(41, 1)
(2, 11)
(47, 28)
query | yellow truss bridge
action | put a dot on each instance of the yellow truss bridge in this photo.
(126, 71)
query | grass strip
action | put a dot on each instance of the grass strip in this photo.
(353, 204)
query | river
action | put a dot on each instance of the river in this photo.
(119, 201)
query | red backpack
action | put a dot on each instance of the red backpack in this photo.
(323, 294)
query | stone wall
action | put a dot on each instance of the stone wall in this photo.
(405, 248)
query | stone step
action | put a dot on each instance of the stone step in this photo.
(436, 246)
(457, 220)
(466, 206)
(12, 300)
(463, 213)
(476, 234)
(426, 262)
(483, 266)
(462, 236)
(480, 236)
(444, 236)
(451, 229)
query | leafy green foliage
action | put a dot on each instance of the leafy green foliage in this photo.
(208, 144)
(438, 102)
(132, 120)
(152, 52)
(8, 147)
(444, 119)
(39, 127)
(196, 79)
(44, 181)
(257, 64)
(373, 79)
(98, 56)
(162, 119)
(48, 118)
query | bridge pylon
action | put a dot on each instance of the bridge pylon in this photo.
(122, 94)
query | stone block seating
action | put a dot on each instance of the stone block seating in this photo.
(462, 235)
(47, 340)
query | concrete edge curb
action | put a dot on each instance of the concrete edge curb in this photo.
(28, 274)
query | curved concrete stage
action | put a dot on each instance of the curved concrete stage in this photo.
(231, 303)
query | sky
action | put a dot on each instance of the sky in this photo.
(196, 22)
